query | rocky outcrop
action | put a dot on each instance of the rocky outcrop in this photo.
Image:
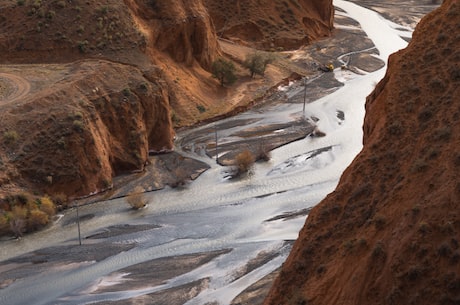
(390, 232)
(272, 24)
(78, 132)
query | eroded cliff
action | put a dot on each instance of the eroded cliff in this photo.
(90, 121)
(390, 232)
(272, 24)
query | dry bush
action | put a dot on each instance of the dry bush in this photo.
(180, 177)
(47, 206)
(263, 153)
(18, 226)
(19, 211)
(10, 137)
(4, 225)
(37, 219)
(17, 220)
(60, 200)
(244, 161)
(136, 199)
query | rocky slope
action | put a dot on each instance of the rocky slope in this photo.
(271, 24)
(88, 122)
(390, 232)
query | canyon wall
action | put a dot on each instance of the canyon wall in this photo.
(270, 24)
(390, 232)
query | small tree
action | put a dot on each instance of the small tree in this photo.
(257, 63)
(224, 71)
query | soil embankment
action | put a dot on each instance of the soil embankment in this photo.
(389, 233)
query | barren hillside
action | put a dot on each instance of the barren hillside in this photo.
(390, 232)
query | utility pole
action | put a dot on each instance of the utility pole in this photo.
(304, 94)
(78, 225)
(217, 153)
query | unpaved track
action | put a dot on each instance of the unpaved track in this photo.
(12, 88)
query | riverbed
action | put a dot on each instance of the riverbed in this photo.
(212, 240)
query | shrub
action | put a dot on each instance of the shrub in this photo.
(10, 136)
(423, 227)
(78, 125)
(201, 108)
(379, 222)
(379, 251)
(60, 200)
(263, 153)
(244, 161)
(20, 2)
(224, 71)
(3, 223)
(17, 220)
(126, 92)
(143, 86)
(61, 4)
(257, 62)
(414, 273)
(136, 199)
(37, 219)
(47, 205)
(104, 10)
(50, 15)
(17, 226)
(444, 250)
(82, 46)
(180, 177)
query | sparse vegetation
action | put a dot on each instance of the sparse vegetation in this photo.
(263, 153)
(10, 136)
(379, 252)
(78, 125)
(244, 162)
(37, 219)
(180, 177)
(444, 250)
(46, 205)
(25, 213)
(257, 63)
(379, 222)
(82, 46)
(137, 199)
(224, 71)
(423, 227)
(126, 92)
(201, 108)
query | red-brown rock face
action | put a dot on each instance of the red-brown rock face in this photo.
(390, 232)
(272, 24)
(91, 121)
(180, 28)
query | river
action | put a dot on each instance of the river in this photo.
(242, 224)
